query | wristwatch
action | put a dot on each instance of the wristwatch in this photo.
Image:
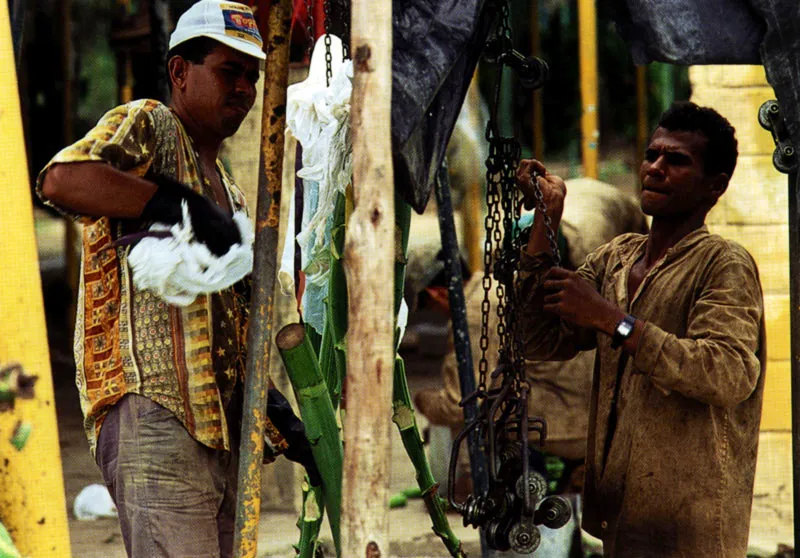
(622, 331)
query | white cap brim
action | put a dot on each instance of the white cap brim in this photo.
(236, 44)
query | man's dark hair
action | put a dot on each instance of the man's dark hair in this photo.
(721, 149)
(194, 51)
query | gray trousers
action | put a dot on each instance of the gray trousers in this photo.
(175, 496)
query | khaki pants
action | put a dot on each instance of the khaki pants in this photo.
(175, 496)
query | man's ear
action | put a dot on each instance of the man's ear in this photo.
(177, 71)
(718, 184)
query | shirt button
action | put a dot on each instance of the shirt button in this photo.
(604, 524)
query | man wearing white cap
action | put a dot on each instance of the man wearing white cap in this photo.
(160, 384)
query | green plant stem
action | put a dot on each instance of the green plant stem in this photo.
(318, 416)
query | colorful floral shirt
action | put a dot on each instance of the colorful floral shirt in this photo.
(189, 360)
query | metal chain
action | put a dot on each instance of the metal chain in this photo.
(548, 223)
(345, 11)
(310, 27)
(492, 199)
(326, 9)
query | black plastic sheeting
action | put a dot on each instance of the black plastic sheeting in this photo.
(437, 44)
(721, 32)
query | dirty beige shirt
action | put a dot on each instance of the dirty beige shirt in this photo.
(675, 477)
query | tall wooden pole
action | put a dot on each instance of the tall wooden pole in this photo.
(32, 505)
(369, 260)
(259, 334)
(590, 134)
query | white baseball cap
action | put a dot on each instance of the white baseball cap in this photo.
(230, 23)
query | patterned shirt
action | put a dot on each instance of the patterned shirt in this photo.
(189, 360)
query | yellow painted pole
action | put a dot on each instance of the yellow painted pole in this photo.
(32, 504)
(471, 213)
(538, 110)
(587, 37)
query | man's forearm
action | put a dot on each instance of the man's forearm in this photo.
(97, 189)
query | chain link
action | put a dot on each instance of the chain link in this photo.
(345, 11)
(326, 9)
(552, 239)
(310, 27)
(503, 243)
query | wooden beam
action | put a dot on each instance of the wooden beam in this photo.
(369, 261)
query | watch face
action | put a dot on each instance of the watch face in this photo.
(625, 328)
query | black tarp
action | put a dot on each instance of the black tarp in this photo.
(721, 32)
(437, 44)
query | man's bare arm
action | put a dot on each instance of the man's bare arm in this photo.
(97, 189)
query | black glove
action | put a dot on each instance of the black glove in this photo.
(211, 225)
(280, 413)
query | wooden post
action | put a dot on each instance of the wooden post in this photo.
(259, 334)
(369, 261)
(590, 135)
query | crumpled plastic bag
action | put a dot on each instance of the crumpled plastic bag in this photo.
(178, 269)
(318, 115)
(94, 502)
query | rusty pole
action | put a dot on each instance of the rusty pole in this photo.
(259, 334)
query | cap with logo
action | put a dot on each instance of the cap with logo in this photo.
(230, 23)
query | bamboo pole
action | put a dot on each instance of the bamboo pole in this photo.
(590, 135)
(369, 265)
(259, 334)
(318, 416)
(32, 505)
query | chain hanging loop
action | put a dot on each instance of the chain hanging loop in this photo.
(309, 4)
(326, 8)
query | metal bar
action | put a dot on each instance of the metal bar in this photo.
(458, 313)
(259, 334)
(794, 297)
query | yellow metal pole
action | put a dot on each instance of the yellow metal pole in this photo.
(32, 504)
(642, 128)
(471, 214)
(538, 111)
(587, 37)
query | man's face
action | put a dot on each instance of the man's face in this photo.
(673, 177)
(221, 91)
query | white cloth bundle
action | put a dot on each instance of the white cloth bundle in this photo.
(178, 268)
